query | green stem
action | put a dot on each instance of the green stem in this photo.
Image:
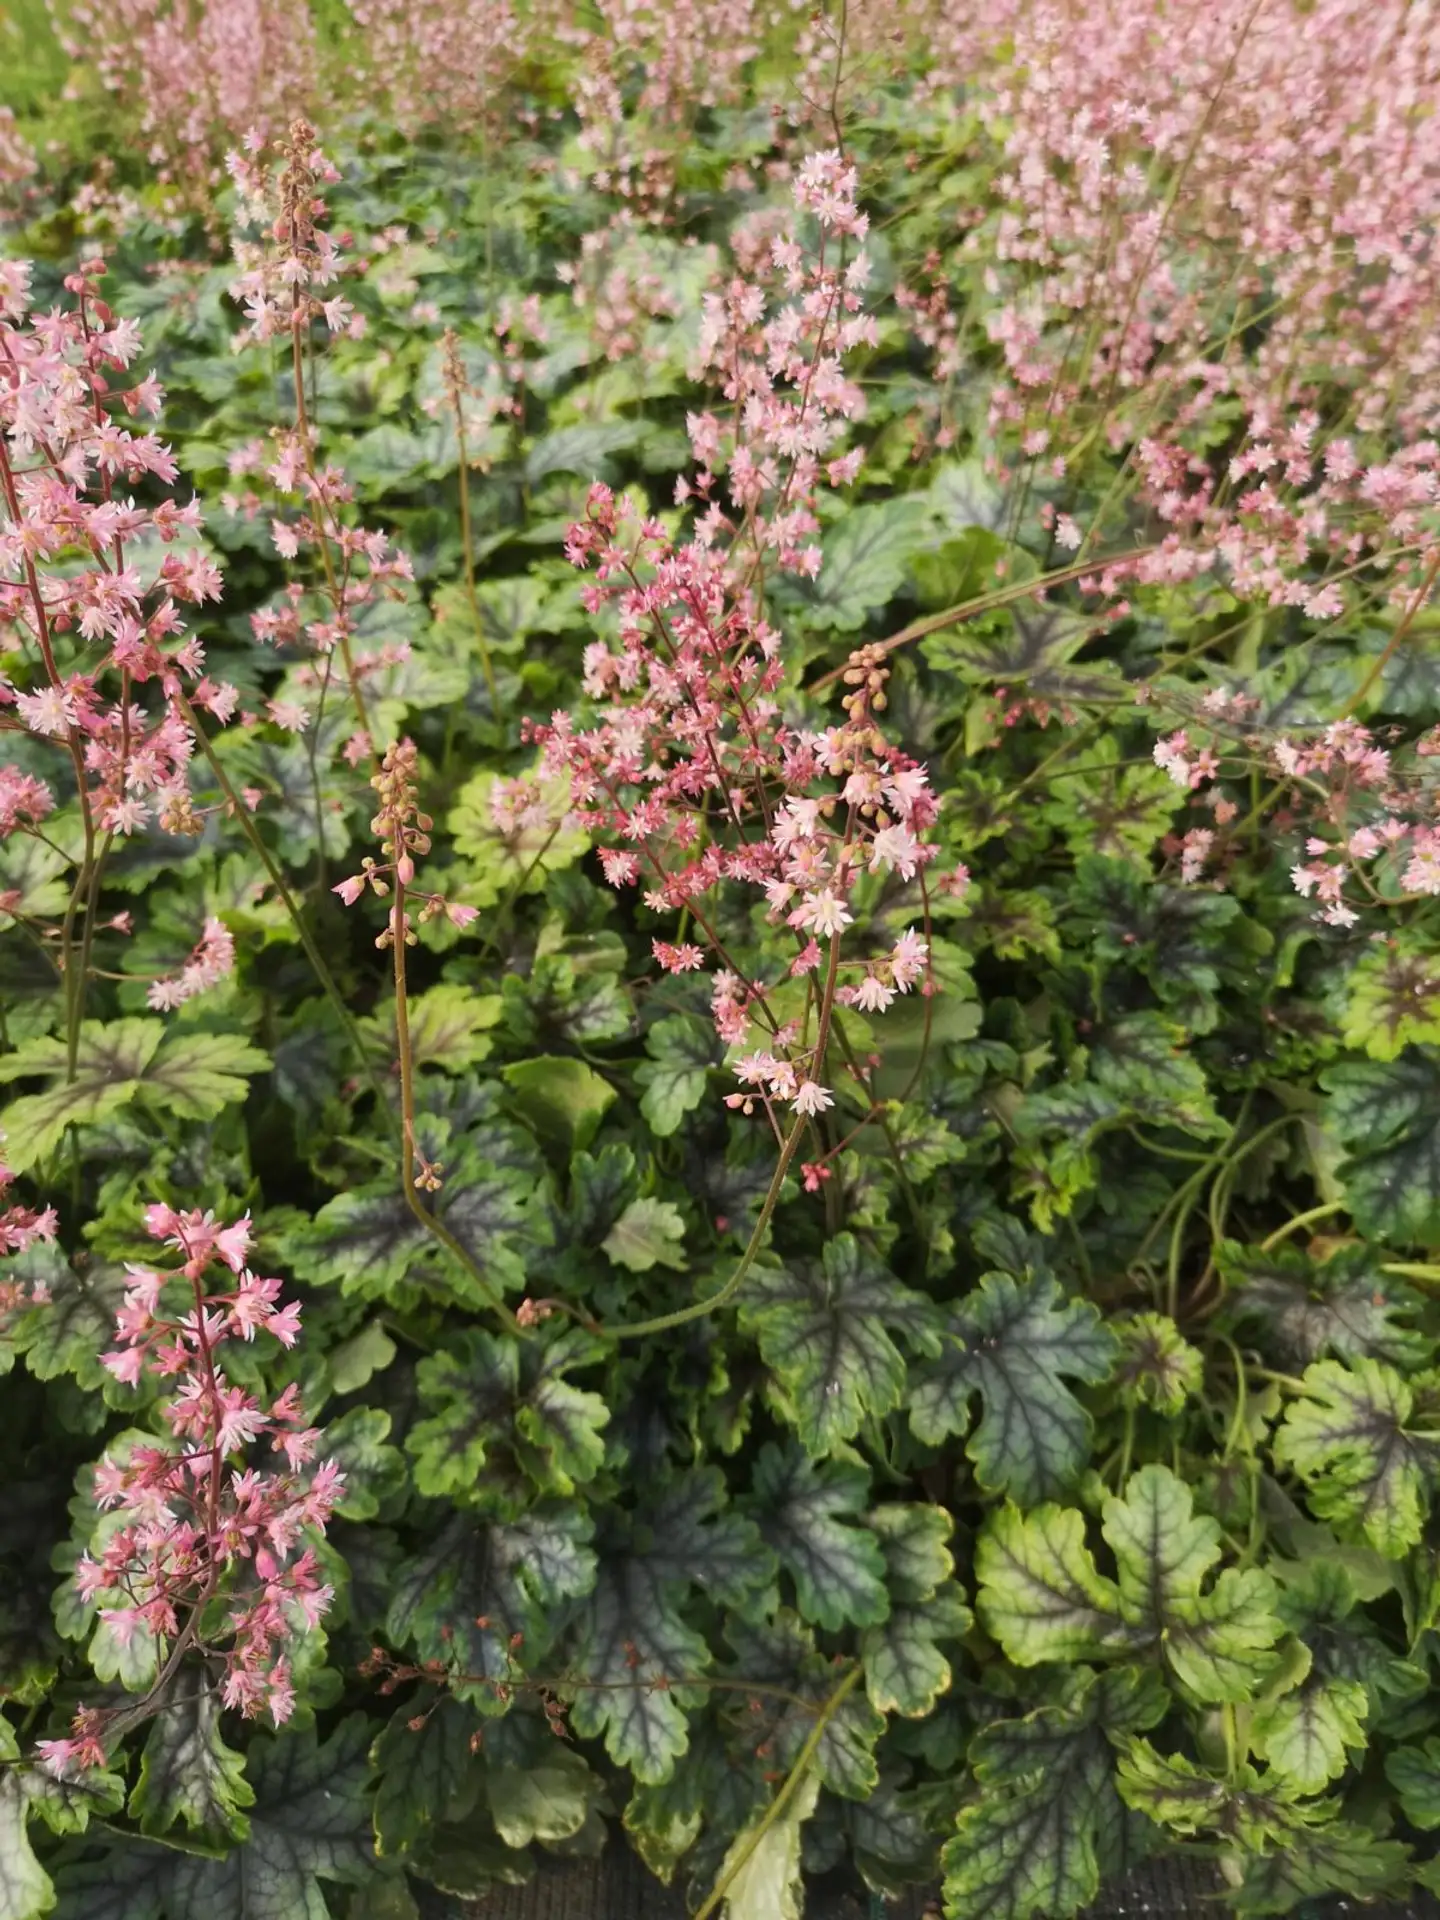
(408, 1150)
(1301, 1220)
(486, 665)
(711, 1904)
(987, 602)
(277, 880)
(662, 1323)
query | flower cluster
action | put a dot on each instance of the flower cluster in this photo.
(20, 1228)
(694, 776)
(403, 831)
(1203, 263)
(280, 284)
(1365, 816)
(109, 668)
(775, 342)
(210, 1548)
(200, 75)
(212, 959)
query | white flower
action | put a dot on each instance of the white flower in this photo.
(812, 1098)
(895, 847)
(872, 995)
(822, 913)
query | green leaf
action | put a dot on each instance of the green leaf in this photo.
(1145, 1063)
(561, 1423)
(490, 1396)
(369, 1243)
(867, 555)
(962, 569)
(468, 1395)
(1305, 1308)
(185, 1074)
(1388, 1120)
(825, 1329)
(761, 1871)
(108, 1068)
(1414, 1772)
(682, 1052)
(68, 1333)
(448, 1027)
(309, 1824)
(1014, 1343)
(1339, 1857)
(1319, 1605)
(805, 1508)
(905, 1671)
(1035, 644)
(562, 1098)
(1248, 1810)
(501, 857)
(1305, 1734)
(358, 1443)
(355, 1362)
(549, 1801)
(25, 1888)
(647, 1234)
(476, 1584)
(584, 450)
(1046, 1824)
(779, 1652)
(1158, 1367)
(1042, 1597)
(1347, 1439)
(188, 1773)
(427, 1774)
(634, 1638)
(1109, 808)
(1183, 941)
(194, 1075)
(1394, 1000)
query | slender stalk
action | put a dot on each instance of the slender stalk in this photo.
(1301, 1220)
(277, 880)
(987, 602)
(486, 664)
(662, 1323)
(409, 1153)
(711, 1904)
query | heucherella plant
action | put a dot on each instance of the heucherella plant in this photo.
(106, 678)
(791, 898)
(694, 778)
(282, 284)
(198, 1551)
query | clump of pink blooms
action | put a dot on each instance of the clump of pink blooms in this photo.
(21, 1228)
(211, 1552)
(109, 662)
(1203, 225)
(17, 156)
(428, 61)
(1364, 815)
(690, 770)
(284, 282)
(211, 960)
(199, 75)
(692, 774)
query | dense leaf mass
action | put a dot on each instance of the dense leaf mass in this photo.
(718, 787)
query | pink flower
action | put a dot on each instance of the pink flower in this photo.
(682, 959)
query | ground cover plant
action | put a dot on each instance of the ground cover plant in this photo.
(719, 1007)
